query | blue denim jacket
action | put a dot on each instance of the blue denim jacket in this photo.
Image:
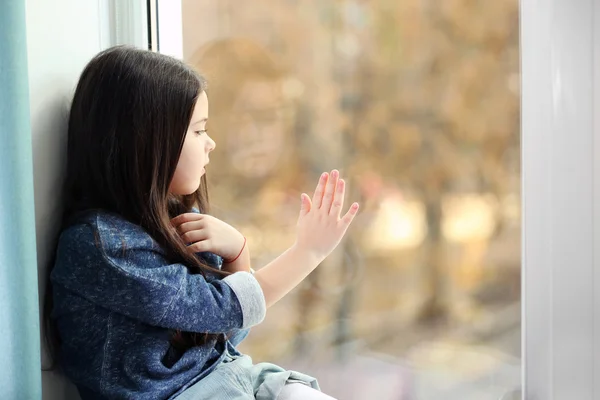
(117, 300)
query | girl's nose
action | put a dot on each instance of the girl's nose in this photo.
(211, 144)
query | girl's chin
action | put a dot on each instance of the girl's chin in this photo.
(191, 189)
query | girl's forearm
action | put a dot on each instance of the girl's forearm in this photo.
(284, 273)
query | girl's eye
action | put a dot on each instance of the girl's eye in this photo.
(201, 132)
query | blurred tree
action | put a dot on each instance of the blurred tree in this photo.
(433, 109)
(418, 95)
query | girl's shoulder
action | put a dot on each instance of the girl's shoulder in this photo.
(109, 230)
(116, 237)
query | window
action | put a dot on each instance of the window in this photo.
(417, 103)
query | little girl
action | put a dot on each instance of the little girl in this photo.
(151, 295)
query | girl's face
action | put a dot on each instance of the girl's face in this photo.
(194, 155)
(257, 129)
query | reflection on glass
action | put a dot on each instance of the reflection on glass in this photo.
(417, 102)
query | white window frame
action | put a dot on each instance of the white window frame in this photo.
(170, 28)
(124, 22)
(560, 185)
(149, 24)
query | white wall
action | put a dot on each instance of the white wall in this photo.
(62, 36)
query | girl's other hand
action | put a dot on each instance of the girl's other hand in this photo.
(320, 224)
(203, 232)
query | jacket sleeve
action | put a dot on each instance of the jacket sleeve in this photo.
(128, 277)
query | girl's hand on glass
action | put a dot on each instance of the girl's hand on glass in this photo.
(203, 232)
(320, 224)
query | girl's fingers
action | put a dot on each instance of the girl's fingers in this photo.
(330, 191)
(347, 219)
(318, 196)
(305, 204)
(190, 226)
(200, 247)
(187, 217)
(194, 236)
(338, 202)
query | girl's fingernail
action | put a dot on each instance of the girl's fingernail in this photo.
(324, 175)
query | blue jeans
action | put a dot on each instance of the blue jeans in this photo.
(237, 378)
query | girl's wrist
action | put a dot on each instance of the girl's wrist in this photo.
(309, 256)
(239, 254)
(240, 263)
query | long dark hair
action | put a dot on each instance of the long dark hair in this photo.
(127, 125)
